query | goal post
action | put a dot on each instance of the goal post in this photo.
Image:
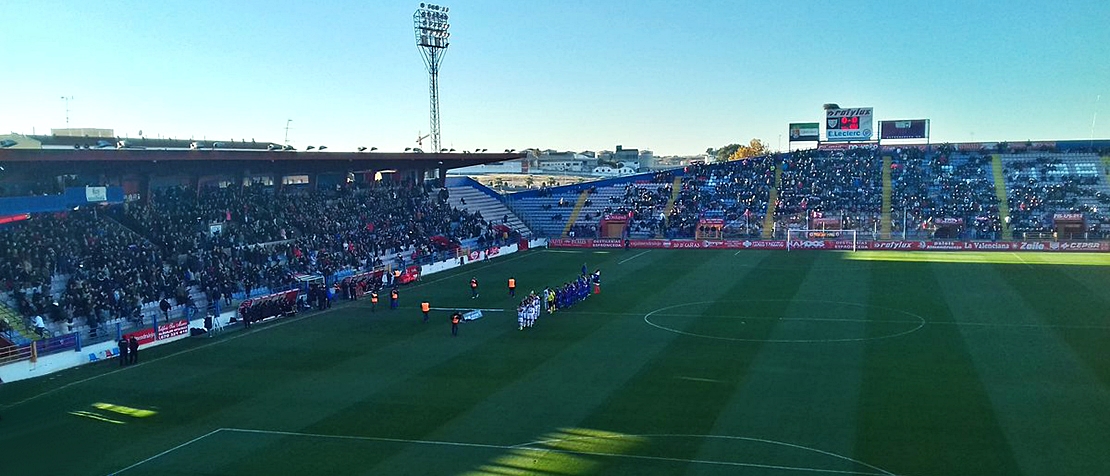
(804, 236)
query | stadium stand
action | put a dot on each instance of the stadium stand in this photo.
(184, 248)
(943, 193)
(470, 196)
(89, 267)
(1040, 185)
(928, 188)
(548, 211)
(847, 185)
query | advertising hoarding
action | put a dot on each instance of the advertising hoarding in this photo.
(805, 131)
(904, 129)
(849, 124)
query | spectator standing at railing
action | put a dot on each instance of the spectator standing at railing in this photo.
(133, 348)
(164, 306)
(124, 346)
(40, 327)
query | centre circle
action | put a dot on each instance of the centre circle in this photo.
(912, 322)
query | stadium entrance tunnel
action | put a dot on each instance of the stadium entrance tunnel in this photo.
(784, 321)
(579, 451)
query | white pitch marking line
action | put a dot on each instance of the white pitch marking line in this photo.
(175, 448)
(881, 471)
(369, 438)
(550, 450)
(247, 333)
(699, 379)
(876, 321)
(1021, 259)
(465, 308)
(662, 310)
(623, 261)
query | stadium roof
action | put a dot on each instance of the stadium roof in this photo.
(187, 161)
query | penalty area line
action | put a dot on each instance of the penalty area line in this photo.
(171, 450)
(521, 448)
(637, 255)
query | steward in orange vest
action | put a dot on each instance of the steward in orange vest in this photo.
(455, 319)
(512, 286)
(425, 307)
(373, 301)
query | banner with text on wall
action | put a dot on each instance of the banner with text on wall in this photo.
(593, 243)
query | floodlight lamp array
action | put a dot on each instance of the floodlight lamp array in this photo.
(431, 22)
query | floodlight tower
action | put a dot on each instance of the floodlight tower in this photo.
(430, 25)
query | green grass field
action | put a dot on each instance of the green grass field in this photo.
(689, 362)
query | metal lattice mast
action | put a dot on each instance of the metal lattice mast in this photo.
(430, 24)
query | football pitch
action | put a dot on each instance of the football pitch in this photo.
(688, 362)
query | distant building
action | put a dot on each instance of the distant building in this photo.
(627, 157)
(647, 160)
(607, 171)
(554, 161)
(85, 132)
(506, 167)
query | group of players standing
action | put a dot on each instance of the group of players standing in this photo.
(554, 299)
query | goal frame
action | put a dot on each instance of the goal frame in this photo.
(794, 234)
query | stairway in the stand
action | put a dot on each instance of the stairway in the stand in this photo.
(772, 203)
(888, 191)
(582, 197)
(1003, 200)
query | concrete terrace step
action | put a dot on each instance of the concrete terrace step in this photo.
(491, 209)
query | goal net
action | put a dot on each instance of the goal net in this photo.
(820, 239)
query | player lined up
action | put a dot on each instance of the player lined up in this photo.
(528, 311)
(573, 292)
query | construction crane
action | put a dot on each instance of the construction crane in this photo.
(420, 139)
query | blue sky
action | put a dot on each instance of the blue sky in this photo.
(675, 77)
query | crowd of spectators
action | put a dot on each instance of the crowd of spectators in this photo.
(736, 191)
(643, 203)
(1039, 189)
(943, 186)
(843, 184)
(224, 241)
(110, 268)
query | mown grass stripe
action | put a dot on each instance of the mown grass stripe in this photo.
(920, 391)
(653, 402)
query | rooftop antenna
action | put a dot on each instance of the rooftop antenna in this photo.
(287, 121)
(66, 99)
(1094, 117)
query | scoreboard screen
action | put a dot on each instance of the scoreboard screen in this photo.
(904, 129)
(851, 124)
